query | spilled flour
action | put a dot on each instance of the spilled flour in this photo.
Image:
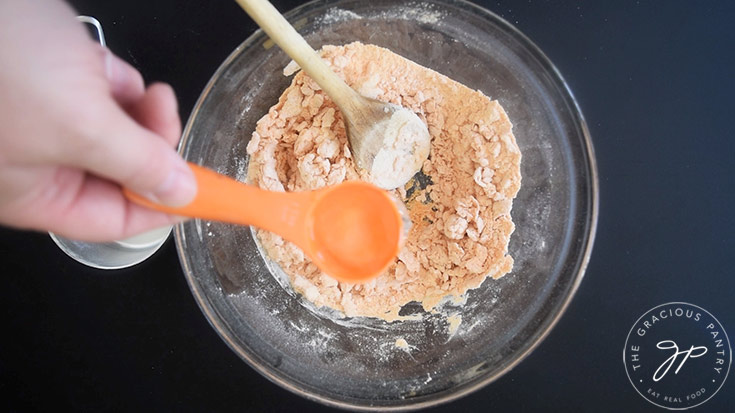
(460, 208)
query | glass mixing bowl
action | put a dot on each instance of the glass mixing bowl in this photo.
(358, 363)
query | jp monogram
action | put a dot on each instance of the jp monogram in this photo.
(677, 355)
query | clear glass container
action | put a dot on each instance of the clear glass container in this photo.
(356, 363)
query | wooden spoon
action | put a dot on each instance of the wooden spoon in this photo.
(387, 140)
(352, 231)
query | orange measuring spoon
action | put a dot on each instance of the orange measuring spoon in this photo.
(352, 231)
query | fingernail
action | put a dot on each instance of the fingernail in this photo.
(178, 189)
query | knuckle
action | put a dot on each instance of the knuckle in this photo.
(151, 170)
(87, 131)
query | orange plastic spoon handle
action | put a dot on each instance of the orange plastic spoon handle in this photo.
(221, 198)
(352, 231)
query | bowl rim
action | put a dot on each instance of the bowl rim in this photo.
(592, 220)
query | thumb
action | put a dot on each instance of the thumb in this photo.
(125, 152)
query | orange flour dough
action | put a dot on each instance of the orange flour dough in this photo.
(461, 222)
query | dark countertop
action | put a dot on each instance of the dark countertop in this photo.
(655, 83)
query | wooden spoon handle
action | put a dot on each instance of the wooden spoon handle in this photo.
(221, 198)
(286, 37)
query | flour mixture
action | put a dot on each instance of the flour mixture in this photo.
(460, 211)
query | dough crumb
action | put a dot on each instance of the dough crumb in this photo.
(453, 321)
(460, 210)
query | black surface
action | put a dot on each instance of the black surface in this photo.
(655, 82)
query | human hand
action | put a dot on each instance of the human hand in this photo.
(76, 124)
